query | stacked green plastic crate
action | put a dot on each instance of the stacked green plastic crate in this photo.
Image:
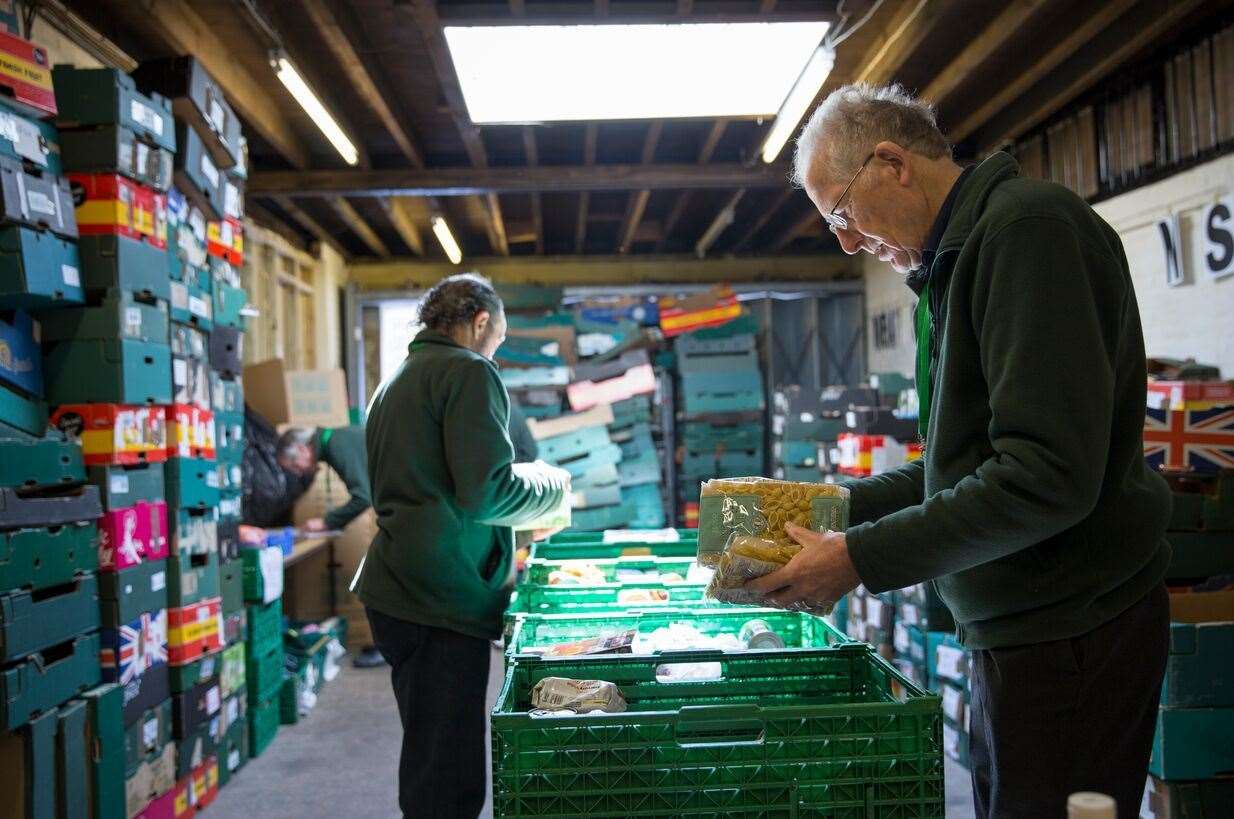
(640, 472)
(751, 731)
(263, 591)
(802, 435)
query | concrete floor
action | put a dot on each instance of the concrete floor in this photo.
(341, 761)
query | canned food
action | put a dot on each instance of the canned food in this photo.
(759, 634)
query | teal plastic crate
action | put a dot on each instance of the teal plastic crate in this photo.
(797, 629)
(1200, 669)
(596, 549)
(604, 517)
(121, 371)
(830, 732)
(598, 457)
(642, 468)
(27, 462)
(38, 270)
(572, 444)
(699, 436)
(648, 505)
(1193, 743)
(718, 362)
(570, 537)
(538, 569)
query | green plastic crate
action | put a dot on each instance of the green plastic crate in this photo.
(539, 568)
(289, 698)
(833, 732)
(264, 674)
(263, 718)
(593, 550)
(797, 629)
(265, 627)
(584, 599)
(602, 537)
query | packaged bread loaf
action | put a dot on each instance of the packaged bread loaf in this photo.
(759, 508)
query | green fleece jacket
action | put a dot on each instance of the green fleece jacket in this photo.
(440, 462)
(1033, 506)
(343, 449)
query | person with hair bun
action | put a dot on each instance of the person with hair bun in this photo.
(437, 576)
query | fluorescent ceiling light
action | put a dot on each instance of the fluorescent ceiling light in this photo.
(798, 101)
(442, 231)
(596, 72)
(312, 106)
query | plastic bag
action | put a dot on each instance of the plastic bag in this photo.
(759, 508)
(745, 558)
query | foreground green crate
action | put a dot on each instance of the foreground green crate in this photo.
(263, 719)
(265, 624)
(781, 733)
(797, 629)
(611, 537)
(105, 734)
(27, 462)
(594, 550)
(539, 569)
(610, 597)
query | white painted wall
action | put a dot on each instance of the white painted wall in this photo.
(886, 290)
(1195, 319)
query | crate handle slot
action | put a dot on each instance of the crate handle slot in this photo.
(719, 725)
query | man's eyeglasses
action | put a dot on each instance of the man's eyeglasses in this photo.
(836, 219)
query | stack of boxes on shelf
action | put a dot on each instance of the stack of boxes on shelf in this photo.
(262, 588)
(721, 402)
(802, 434)
(951, 671)
(875, 438)
(580, 444)
(640, 471)
(1186, 436)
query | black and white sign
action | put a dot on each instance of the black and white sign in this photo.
(1172, 244)
(1218, 227)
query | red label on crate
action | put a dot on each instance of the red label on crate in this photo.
(25, 71)
(191, 432)
(115, 433)
(225, 240)
(110, 204)
(711, 309)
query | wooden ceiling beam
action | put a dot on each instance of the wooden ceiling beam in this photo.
(411, 274)
(723, 218)
(304, 220)
(801, 223)
(424, 12)
(907, 29)
(637, 203)
(533, 159)
(268, 220)
(355, 222)
(766, 216)
(993, 39)
(396, 209)
(176, 23)
(710, 143)
(591, 135)
(1103, 15)
(344, 37)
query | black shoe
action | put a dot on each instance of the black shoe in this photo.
(369, 657)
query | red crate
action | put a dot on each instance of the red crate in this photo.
(26, 73)
(113, 205)
(194, 631)
(190, 432)
(115, 433)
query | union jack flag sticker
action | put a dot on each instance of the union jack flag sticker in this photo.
(134, 647)
(1199, 439)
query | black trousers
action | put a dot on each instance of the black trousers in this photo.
(440, 679)
(1049, 719)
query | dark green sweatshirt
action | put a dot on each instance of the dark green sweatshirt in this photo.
(343, 449)
(440, 462)
(1033, 506)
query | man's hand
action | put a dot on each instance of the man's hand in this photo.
(821, 573)
(314, 525)
(544, 534)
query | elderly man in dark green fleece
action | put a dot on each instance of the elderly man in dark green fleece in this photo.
(437, 575)
(342, 448)
(1033, 510)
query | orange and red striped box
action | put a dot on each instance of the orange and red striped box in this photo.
(711, 309)
(112, 205)
(115, 433)
(225, 240)
(26, 72)
(190, 432)
(193, 631)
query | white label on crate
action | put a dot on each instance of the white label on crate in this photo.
(198, 307)
(179, 295)
(850, 419)
(158, 581)
(953, 703)
(226, 233)
(147, 116)
(211, 172)
(150, 732)
(29, 143)
(207, 667)
(212, 479)
(198, 223)
(231, 201)
(132, 321)
(143, 159)
(901, 641)
(233, 709)
(8, 127)
(212, 700)
(271, 573)
(119, 484)
(41, 202)
(952, 663)
(875, 612)
(217, 115)
(179, 368)
(233, 760)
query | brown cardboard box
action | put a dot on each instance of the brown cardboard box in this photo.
(306, 595)
(1202, 607)
(300, 397)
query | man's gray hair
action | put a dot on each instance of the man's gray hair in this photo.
(291, 440)
(853, 119)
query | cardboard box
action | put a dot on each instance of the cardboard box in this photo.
(147, 736)
(299, 397)
(145, 692)
(135, 648)
(119, 314)
(202, 743)
(195, 531)
(1178, 395)
(562, 334)
(206, 667)
(190, 381)
(1198, 439)
(126, 595)
(108, 96)
(717, 306)
(25, 75)
(225, 240)
(110, 261)
(197, 99)
(194, 631)
(1202, 607)
(24, 137)
(105, 747)
(192, 304)
(191, 483)
(190, 432)
(108, 204)
(39, 683)
(226, 351)
(38, 270)
(197, 175)
(601, 415)
(637, 381)
(120, 371)
(192, 578)
(137, 534)
(36, 199)
(21, 365)
(1192, 743)
(153, 779)
(48, 461)
(195, 707)
(116, 434)
(120, 149)
(71, 506)
(28, 769)
(1210, 799)
(41, 557)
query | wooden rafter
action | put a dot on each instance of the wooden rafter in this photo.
(1071, 42)
(590, 136)
(304, 220)
(182, 29)
(801, 223)
(537, 214)
(683, 199)
(907, 30)
(358, 226)
(344, 37)
(993, 39)
(763, 218)
(268, 220)
(723, 218)
(637, 203)
(425, 14)
(396, 209)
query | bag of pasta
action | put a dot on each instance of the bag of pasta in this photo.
(759, 508)
(746, 557)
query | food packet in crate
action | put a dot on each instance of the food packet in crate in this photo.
(759, 508)
(553, 694)
(746, 557)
